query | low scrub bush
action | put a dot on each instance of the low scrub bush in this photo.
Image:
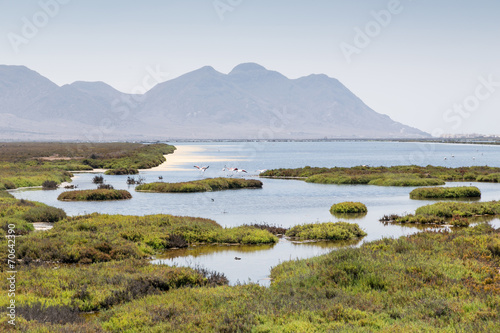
(349, 208)
(96, 287)
(21, 227)
(44, 214)
(275, 230)
(105, 187)
(445, 192)
(122, 171)
(94, 195)
(464, 209)
(53, 314)
(326, 231)
(492, 178)
(98, 180)
(413, 219)
(49, 185)
(205, 185)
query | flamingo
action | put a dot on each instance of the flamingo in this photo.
(202, 169)
(225, 168)
(261, 171)
(241, 170)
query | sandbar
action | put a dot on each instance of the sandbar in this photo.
(185, 156)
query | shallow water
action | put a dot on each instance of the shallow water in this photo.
(280, 202)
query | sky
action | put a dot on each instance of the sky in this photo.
(434, 65)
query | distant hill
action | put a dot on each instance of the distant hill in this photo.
(250, 102)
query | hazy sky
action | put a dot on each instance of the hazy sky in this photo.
(434, 65)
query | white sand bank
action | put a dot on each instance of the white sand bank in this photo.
(190, 154)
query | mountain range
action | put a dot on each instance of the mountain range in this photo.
(250, 102)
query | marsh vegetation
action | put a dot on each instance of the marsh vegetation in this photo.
(410, 175)
(431, 281)
(446, 193)
(32, 164)
(444, 281)
(103, 193)
(349, 207)
(339, 231)
(204, 185)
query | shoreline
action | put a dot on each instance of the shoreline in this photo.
(190, 154)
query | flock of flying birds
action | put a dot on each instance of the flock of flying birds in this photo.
(233, 170)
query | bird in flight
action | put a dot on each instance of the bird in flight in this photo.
(202, 169)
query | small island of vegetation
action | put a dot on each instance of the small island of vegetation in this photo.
(452, 213)
(445, 192)
(100, 194)
(326, 231)
(349, 207)
(204, 185)
(464, 209)
(409, 175)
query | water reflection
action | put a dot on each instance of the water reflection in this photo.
(253, 263)
(350, 216)
(449, 199)
(327, 244)
(201, 250)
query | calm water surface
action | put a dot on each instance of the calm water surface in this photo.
(281, 202)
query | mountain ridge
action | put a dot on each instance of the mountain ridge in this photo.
(250, 102)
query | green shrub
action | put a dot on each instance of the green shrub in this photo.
(459, 221)
(404, 175)
(44, 214)
(49, 185)
(21, 227)
(98, 180)
(492, 178)
(414, 219)
(406, 180)
(445, 192)
(6, 184)
(94, 195)
(122, 171)
(205, 185)
(326, 231)
(349, 208)
(464, 209)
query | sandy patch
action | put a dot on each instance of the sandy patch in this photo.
(190, 154)
(42, 226)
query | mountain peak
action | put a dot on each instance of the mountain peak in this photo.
(247, 67)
